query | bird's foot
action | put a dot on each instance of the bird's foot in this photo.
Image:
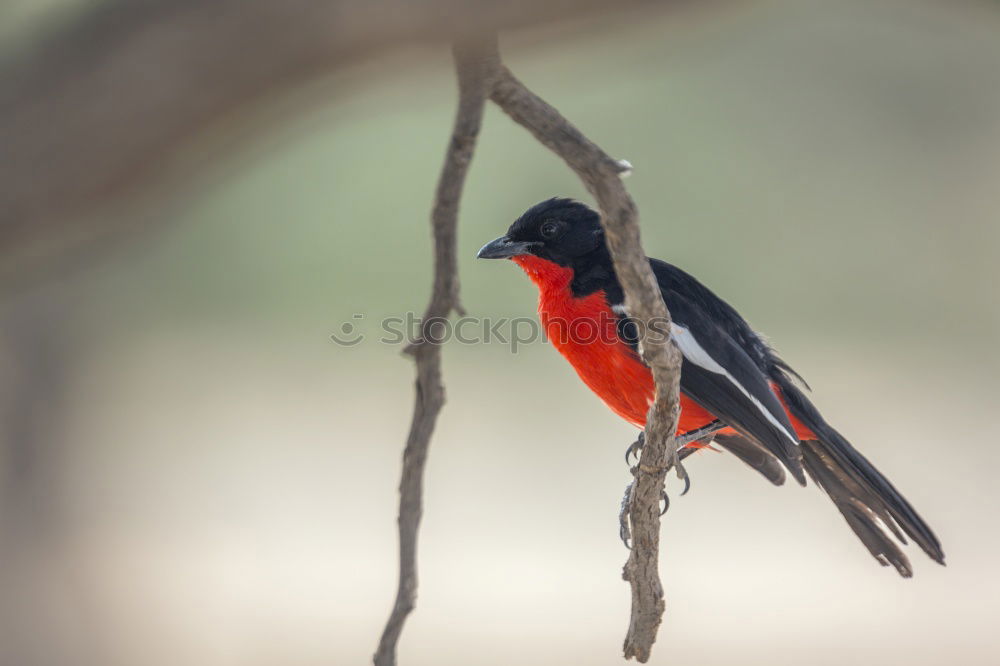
(635, 448)
(703, 434)
(633, 451)
(683, 475)
(623, 531)
(623, 515)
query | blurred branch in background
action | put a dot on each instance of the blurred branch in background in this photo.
(36, 363)
(88, 114)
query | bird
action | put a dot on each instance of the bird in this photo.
(732, 382)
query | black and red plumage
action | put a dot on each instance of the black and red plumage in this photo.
(728, 373)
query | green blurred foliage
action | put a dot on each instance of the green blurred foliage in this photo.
(829, 171)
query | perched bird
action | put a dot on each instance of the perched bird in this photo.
(730, 376)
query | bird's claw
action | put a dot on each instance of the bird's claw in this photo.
(623, 530)
(705, 435)
(624, 533)
(684, 476)
(634, 448)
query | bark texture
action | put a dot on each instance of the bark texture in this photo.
(482, 75)
(601, 174)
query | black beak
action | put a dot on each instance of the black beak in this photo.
(504, 248)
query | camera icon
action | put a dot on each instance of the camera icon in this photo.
(349, 334)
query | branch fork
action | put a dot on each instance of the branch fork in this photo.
(481, 76)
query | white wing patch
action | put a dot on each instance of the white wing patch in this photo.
(695, 353)
(618, 308)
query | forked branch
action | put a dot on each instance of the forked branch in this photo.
(482, 75)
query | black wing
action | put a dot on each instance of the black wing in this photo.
(718, 374)
(673, 279)
(874, 509)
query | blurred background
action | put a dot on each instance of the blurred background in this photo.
(194, 473)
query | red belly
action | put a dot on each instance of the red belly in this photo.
(613, 372)
(584, 330)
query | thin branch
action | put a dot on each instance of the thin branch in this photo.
(601, 174)
(475, 67)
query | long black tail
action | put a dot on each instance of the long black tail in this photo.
(869, 503)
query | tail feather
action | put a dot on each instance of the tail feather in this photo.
(863, 511)
(755, 456)
(867, 500)
(750, 452)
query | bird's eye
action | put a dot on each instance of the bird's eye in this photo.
(549, 229)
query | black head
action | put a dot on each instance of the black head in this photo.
(559, 230)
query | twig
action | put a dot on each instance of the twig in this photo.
(475, 66)
(601, 174)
